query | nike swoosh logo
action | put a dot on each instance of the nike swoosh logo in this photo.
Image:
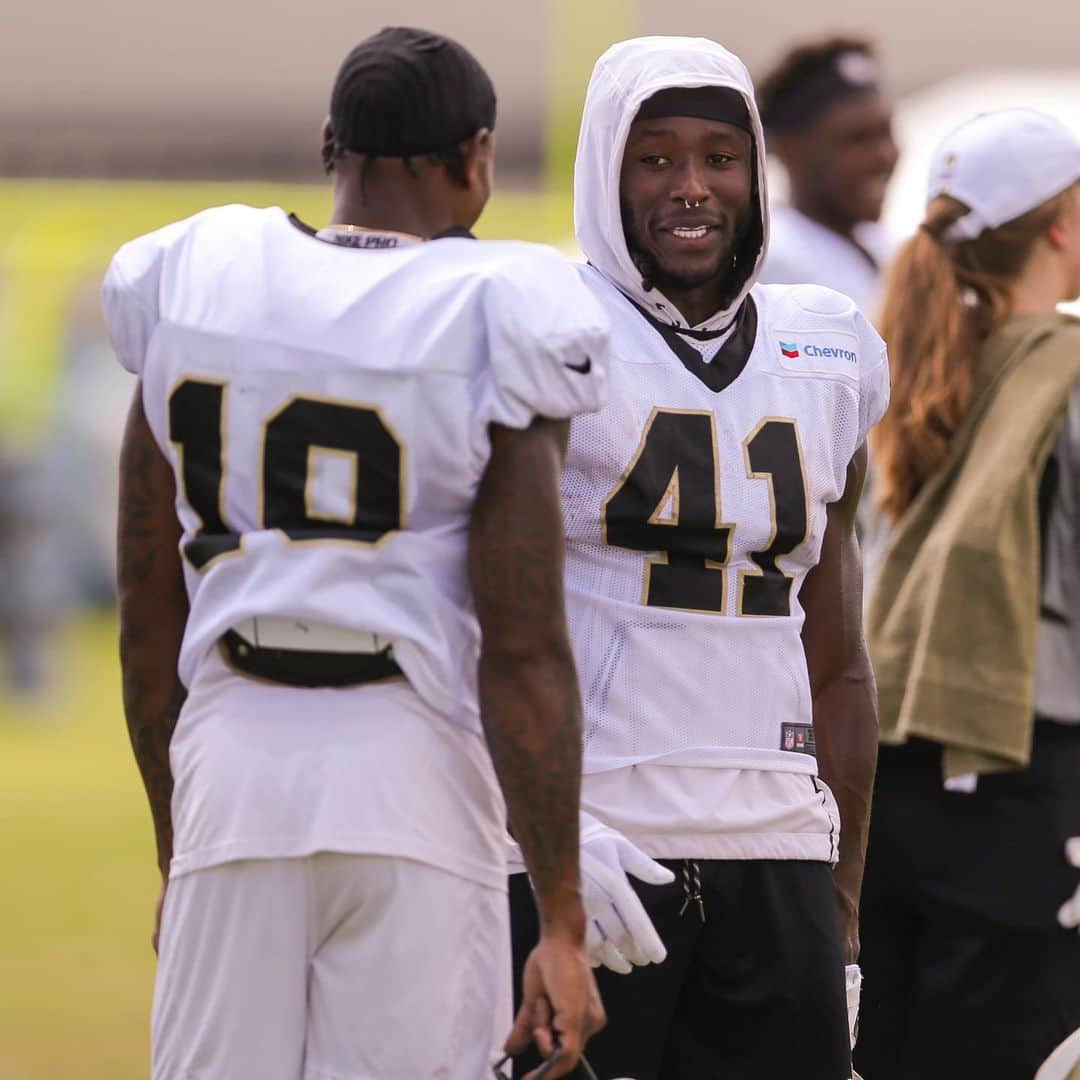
(581, 369)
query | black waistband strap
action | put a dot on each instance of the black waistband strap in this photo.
(294, 667)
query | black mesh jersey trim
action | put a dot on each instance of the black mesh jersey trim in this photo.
(731, 358)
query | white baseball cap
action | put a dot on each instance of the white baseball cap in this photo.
(1002, 164)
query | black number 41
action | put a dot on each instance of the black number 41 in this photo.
(676, 470)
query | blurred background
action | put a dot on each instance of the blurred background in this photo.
(118, 117)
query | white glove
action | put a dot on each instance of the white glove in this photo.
(853, 988)
(619, 932)
(1069, 912)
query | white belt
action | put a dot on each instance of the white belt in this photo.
(282, 632)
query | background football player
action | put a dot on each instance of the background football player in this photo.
(713, 589)
(361, 430)
(829, 121)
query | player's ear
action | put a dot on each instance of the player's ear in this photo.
(1065, 229)
(477, 156)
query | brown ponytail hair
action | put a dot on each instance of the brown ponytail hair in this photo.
(942, 301)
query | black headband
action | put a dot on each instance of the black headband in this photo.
(845, 75)
(719, 103)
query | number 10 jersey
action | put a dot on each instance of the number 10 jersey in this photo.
(695, 505)
(326, 413)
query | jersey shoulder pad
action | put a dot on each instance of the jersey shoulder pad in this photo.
(131, 291)
(805, 300)
(537, 295)
(548, 338)
(232, 219)
(816, 332)
(812, 332)
(537, 272)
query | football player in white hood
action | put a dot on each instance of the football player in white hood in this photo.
(343, 445)
(713, 591)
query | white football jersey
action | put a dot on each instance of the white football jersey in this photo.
(326, 412)
(695, 505)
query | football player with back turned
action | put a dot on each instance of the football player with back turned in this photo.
(354, 436)
(713, 590)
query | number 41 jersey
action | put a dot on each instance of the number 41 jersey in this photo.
(326, 412)
(695, 506)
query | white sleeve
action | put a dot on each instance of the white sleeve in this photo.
(874, 381)
(131, 291)
(548, 343)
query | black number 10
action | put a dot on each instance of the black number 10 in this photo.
(303, 426)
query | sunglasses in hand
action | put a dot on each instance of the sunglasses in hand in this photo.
(503, 1069)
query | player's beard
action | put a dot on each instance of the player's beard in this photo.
(656, 275)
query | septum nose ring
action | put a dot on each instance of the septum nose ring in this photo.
(691, 206)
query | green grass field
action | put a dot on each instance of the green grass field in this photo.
(78, 879)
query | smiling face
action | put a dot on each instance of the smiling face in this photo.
(841, 164)
(671, 161)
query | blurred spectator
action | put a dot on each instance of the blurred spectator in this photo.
(81, 449)
(58, 502)
(25, 575)
(829, 122)
(972, 893)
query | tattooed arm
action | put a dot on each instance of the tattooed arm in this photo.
(529, 698)
(153, 612)
(531, 710)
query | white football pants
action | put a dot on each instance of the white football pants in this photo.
(330, 967)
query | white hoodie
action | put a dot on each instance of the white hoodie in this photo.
(626, 76)
(702, 484)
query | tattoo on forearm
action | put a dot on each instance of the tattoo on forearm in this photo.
(540, 776)
(151, 721)
(529, 693)
(153, 611)
(520, 577)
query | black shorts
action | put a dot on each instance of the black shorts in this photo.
(967, 973)
(755, 992)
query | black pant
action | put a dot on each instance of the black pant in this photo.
(755, 992)
(967, 973)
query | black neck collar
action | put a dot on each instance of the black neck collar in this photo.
(730, 358)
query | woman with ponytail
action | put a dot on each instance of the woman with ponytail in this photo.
(970, 957)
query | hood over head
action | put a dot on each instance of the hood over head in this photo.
(625, 77)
